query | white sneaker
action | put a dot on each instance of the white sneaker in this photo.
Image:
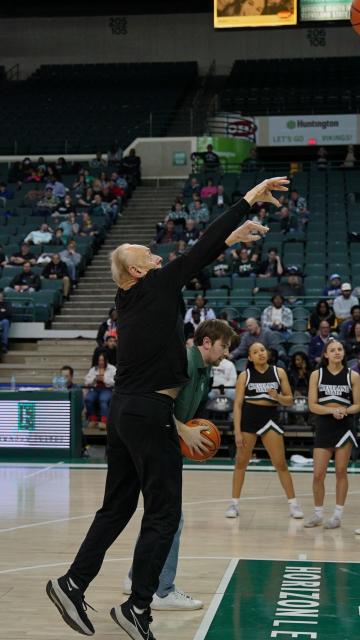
(333, 523)
(315, 521)
(295, 512)
(127, 586)
(232, 511)
(176, 601)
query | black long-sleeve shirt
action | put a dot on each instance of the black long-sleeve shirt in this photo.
(151, 352)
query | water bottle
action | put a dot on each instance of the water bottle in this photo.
(62, 383)
(55, 381)
(13, 383)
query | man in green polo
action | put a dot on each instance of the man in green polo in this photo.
(211, 344)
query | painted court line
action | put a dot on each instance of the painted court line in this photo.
(215, 602)
(35, 473)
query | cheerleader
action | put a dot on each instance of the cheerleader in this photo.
(259, 391)
(334, 396)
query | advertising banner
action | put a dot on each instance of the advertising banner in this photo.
(254, 13)
(313, 10)
(232, 151)
(322, 130)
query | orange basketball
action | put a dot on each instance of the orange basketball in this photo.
(355, 16)
(212, 434)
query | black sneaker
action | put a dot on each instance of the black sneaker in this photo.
(136, 625)
(70, 601)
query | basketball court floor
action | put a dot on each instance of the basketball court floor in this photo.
(260, 576)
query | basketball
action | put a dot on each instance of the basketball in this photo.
(211, 432)
(355, 16)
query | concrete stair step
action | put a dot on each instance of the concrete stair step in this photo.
(11, 369)
(47, 360)
(85, 326)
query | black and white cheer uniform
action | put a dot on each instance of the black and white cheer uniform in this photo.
(332, 433)
(259, 418)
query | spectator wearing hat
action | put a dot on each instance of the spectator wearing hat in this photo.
(277, 317)
(344, 302)
(334, 287)
(347, 325)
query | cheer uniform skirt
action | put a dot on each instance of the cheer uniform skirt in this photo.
(333, 434)
(259, 419)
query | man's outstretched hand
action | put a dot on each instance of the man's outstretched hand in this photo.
(248, 232)
(263, 191)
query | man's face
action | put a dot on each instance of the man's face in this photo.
(346, 293)
(209, 147)
(56, 258)
(200, 302)
(218, 350)
(44, 228)
(272, 256)
(24, 249)
(67, 375)
(97, 199)
(324, 329)
(335, 283)
(356, 315)
(251, 325)
(27, 267)
(142, 259)
(293, 280)
(197, 204)
(243, 254)
(284, 212)
(170, 226)
(190, 225)
(277, 302)
(111, 343)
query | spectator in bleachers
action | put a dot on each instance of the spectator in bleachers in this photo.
(57, 270)
(100, 380)
(168, 234)
(352, 342)
(347, 325)
(86, 198)
(109, 349)
(200, 212)
(5, 193)
(210, 159)
(334, 287)
(224, 378)
(3, 258)
(221, 200)
(72, 259)
(251, 162)
(191, 187)
(58, 238)
(297, 203)
(26, 281)
(100, 208)
(107, 328)
(278, 317)
(43, 235)
(24, 255)
(177, 213)
(344, 302)
(299, 374)
(113, 203)
(322, 311)
(115, 153)
(288, 223)
(64, 208)
(206, 313)
(5, 321)
(98, 162)
(292, 290)
(79, 186)
(191, 232)
(87, 227)
(57, 187)
(68, 373)
(221, 266)
(69, 225)
(116, 191)
(48, 203)
(322, 161)
(317, 342)
(245, 264)
(132, 167)
(261, 216)
(350, 158)
(34, 177)
(271, 267)
(209, 190)
(254, 333)
(191, 325)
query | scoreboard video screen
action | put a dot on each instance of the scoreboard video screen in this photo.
(254, 13)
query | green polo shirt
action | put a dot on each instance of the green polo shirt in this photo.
(197, 389)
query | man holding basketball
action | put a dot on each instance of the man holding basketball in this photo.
(143, 445)
(212, 341)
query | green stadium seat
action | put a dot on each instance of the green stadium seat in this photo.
(220, 281)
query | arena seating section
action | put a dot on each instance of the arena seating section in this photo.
(90, 106)
(310, 85)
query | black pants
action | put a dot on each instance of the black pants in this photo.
(143, 455)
